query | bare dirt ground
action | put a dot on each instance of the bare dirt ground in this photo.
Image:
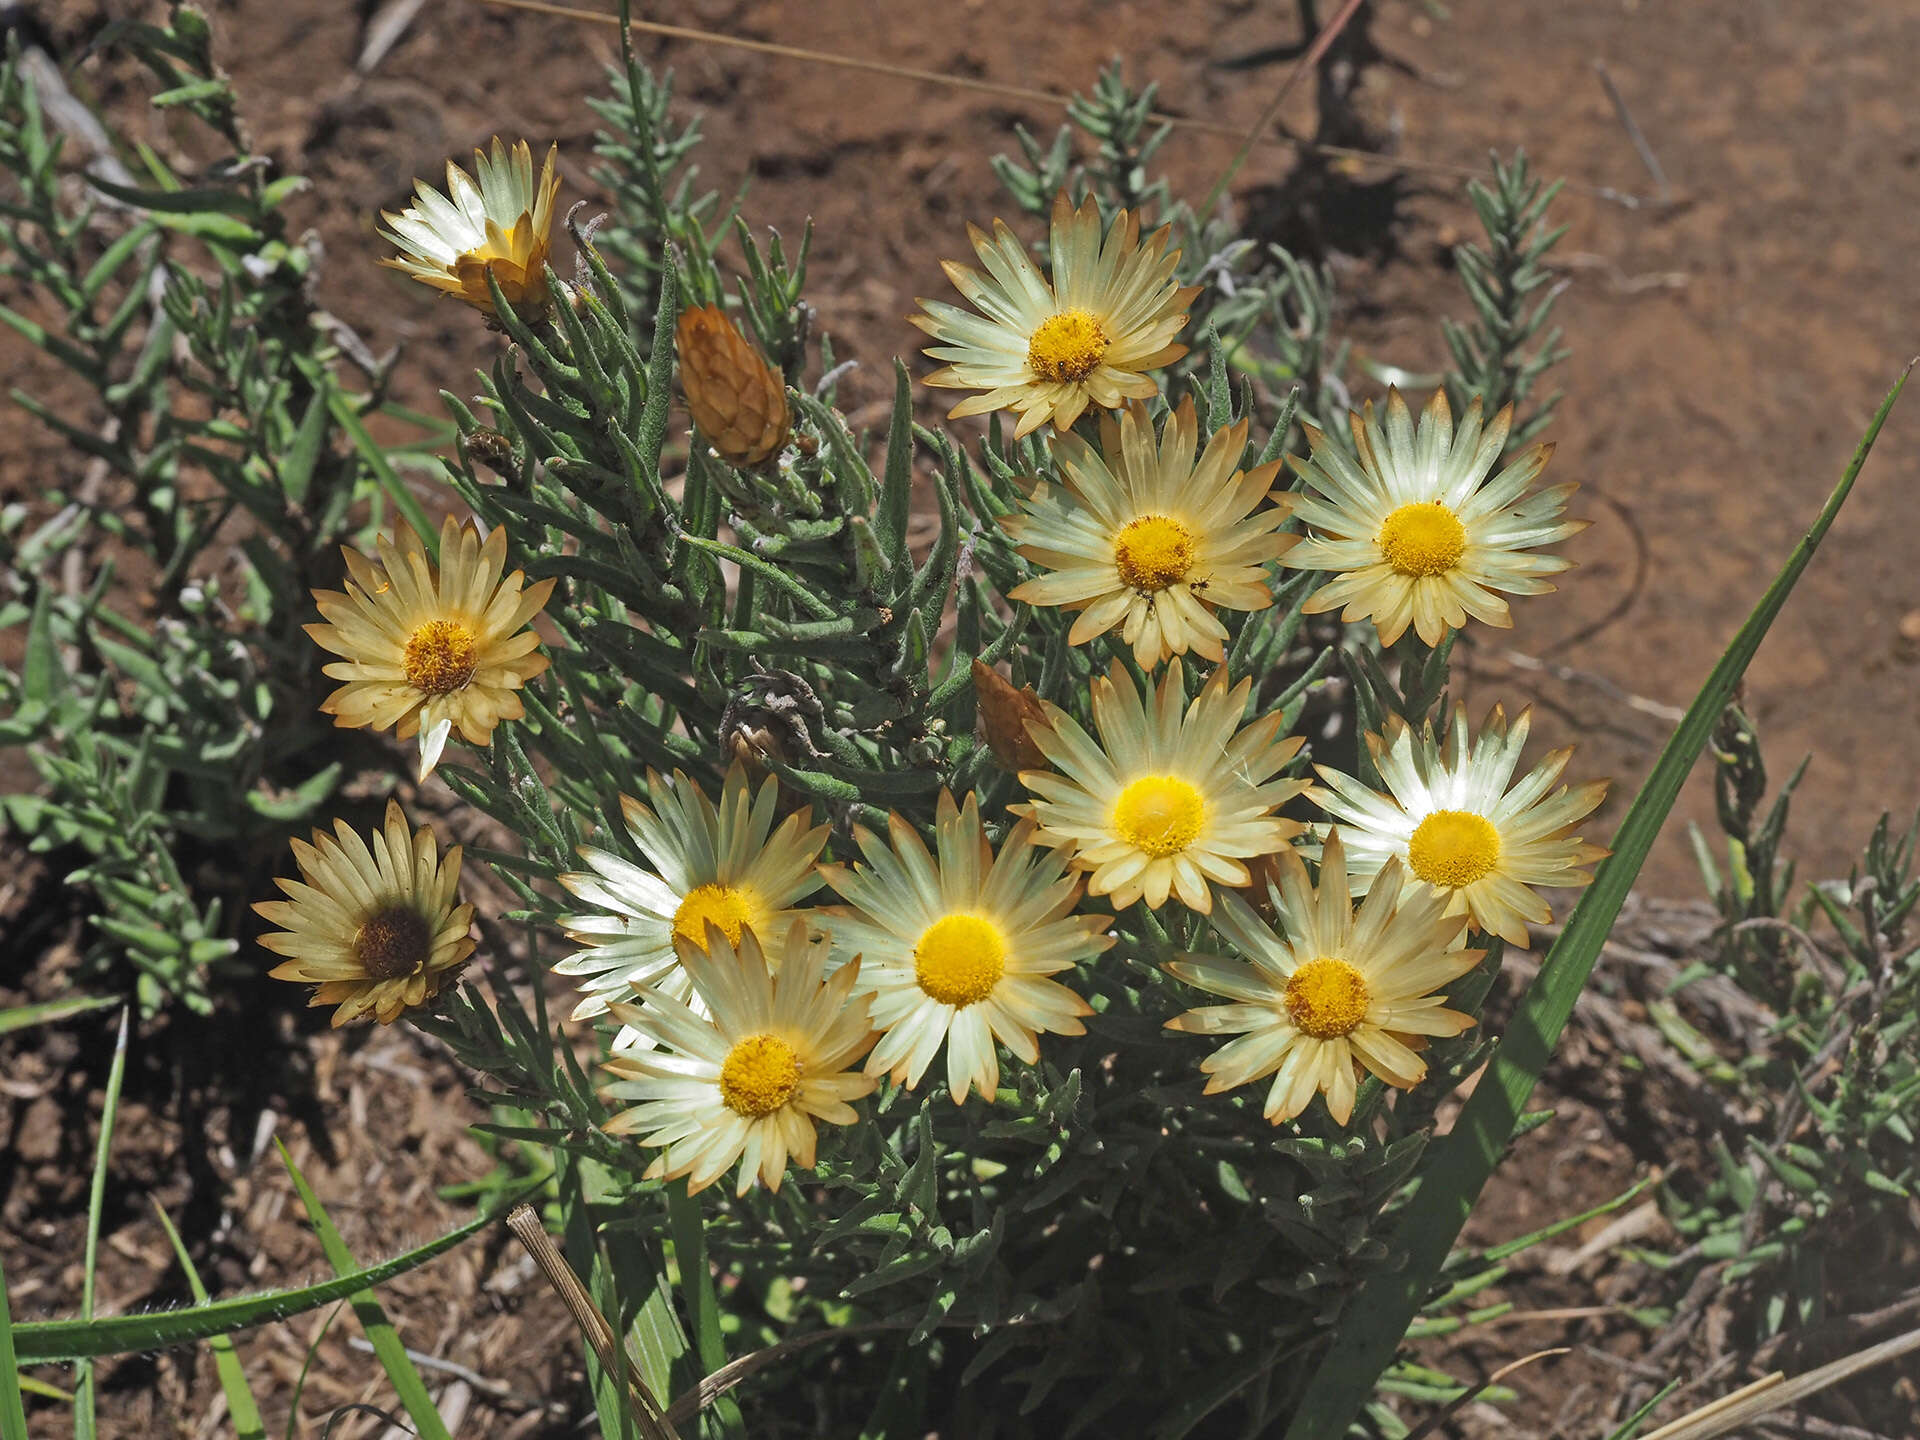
(1727, 349)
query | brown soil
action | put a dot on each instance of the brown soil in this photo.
(1727, 350)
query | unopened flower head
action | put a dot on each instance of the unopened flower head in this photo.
(1454, 816)
(1048, 350)
(1141, 538)
(737, 399)
(1417, 532)
(725, 865)
(747, 1073)
(956, 949)
(372, 926)
(1171, 797)
(498, 221)
(427, 652)
(1327, 986)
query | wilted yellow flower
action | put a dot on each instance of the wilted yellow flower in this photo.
(737, 400)
(429, 653)
(502, 224)
(1047, 351)
(373, 928)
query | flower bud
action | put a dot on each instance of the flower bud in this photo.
(1004, 714)
(737, 400)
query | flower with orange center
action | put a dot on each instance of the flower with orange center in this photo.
(1327, 986)
(1417, 533)
(1141, 539)
(1048, 350)
(499, 222)
(957, 950)
(746, 1064)
(1173, 798)
(374, 927)
(725, 869)
(427, 652)
(1461, 825)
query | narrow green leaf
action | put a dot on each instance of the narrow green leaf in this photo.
(404, 500)
(13, 1411)
(84, 1423)
(233, 1378)
(373, 1319)
(1372, 1327)
(23, 1017)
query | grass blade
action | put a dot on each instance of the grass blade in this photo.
(385, 1340)
(404, 500)
(233, 1378)
(306, 1365)
(13, 1411)
(1372, 1328)
(25, 1017)
(84, 1388)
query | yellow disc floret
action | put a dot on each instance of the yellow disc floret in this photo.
(1423, 539)
(393, 943)
(1067, 346)
(727, 906)
(759, 1075)
(441, 656)
(1327, 998)
(1451, 848)
(1160, 814)
(959, 959)
(1153, 552)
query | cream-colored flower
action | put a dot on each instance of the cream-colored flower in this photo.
(1326, 987)
(1173, 795)
(957, 950)
(747, 1074)
(1141, 538)
(1047, 351)
(725, 865)
(503, 223)
(374, 928)
(1418, 533)
(431, 653)
(1452, 819)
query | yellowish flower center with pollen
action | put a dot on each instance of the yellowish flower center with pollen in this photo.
(393, 943)
(1153, 552)
(959, 959)
(1160, 814)
(1327, 998)
(759, 1075)
(727, 906)
(441, 657)
(1423, 539)
(1451, 848)
(1067, 346)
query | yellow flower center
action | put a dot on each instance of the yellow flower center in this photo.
(759, 1075)
(441, 656)
(1153, 552)
(959, 959)
(1160, 814)
(1327, 998)
(393, 943)
(728, 907)
(1067, 346)
(1423, 539)
(1451, 848)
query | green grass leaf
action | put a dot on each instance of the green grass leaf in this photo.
(404, 500)
(84, 1389)
(1372, 1328)
(241, 1408)
(25, 1017)
(13, 1411)
(385, 1340)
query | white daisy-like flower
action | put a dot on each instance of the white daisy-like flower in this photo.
(726, 866)
(1173, 795)
(373, 927)
(1418, 533)
(503, 223)
(956, 950)
(1327, 986)
(431, 652)
(1047, 351)
(1461, 826)
(749, 1073)
(1140, 537)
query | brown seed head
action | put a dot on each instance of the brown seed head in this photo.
(737, 400)
(1004, 713)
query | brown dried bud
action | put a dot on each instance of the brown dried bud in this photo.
(1004, 715)
(492, 449)
(737, 400)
